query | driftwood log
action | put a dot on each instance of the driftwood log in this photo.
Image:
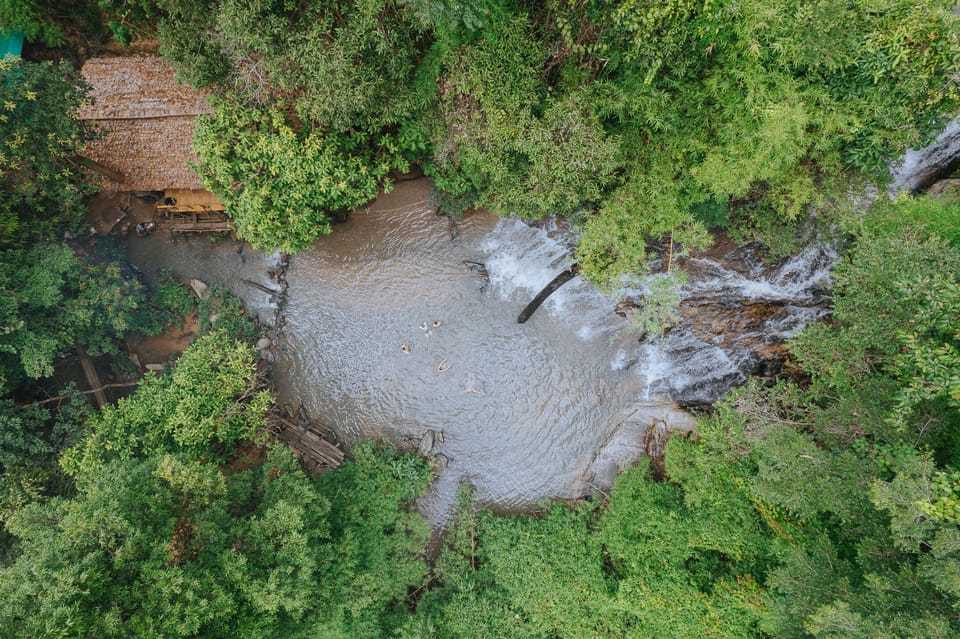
(547, 291)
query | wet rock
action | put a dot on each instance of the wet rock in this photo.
(442, 461)
(477, 267)
(201, 289)
(922, 167)
(947, 189)
(627, 309)
(604, 474)
(264, 343)
(654, 446)
(426, 443)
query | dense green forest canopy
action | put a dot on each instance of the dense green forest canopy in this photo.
(827, 506)
(637, 120)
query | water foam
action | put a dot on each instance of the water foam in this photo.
(798, 277)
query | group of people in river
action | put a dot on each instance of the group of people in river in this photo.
(425, 327)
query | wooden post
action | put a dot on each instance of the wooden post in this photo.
(92, 378)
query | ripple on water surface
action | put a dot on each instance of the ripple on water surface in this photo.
(391, 334)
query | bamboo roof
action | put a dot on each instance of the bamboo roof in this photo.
(146, 121)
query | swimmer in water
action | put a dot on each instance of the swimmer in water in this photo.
(405, 347)
(437, 323)
(423, 326)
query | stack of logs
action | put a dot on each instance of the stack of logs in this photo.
(308, 444)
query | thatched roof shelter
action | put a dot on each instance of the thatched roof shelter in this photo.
(146, 120)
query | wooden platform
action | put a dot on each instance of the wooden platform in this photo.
(197, 222)
(192, 211)
(189, 201)
(315, 452)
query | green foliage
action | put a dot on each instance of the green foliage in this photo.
(628, 116)
(496, 136)
(163, 539)
(31, 438)
(29, 17)
(658, 309)
(379, 540)
(928, 363)
(203, 63)
(54, 300)
(136, 555)
(41, 186)
(173, 296)
(614, 242)
(926, 216)
(279, 184)
(21, 437)
(224, 312)
(171, 546)
(869, 309)
(32, 435)
(645, 564)
(362, 60)
(855, 474)
(826, 509)
(126, 17)
(204, 407)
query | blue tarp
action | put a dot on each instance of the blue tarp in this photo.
(11, 43)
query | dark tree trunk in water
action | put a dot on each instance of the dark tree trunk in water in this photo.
(547, 291)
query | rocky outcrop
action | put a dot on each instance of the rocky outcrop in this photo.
(922, 167)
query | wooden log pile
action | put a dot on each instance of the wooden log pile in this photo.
(315, 453)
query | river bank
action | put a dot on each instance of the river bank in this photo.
(401, 326)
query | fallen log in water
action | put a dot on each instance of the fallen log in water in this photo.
(547, 291)
(265, 289)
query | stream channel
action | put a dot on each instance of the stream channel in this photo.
(391, 329)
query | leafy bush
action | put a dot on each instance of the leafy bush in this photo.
(279, 184)
(41, 186)
(56, 300)
(173, 296)
(30, 17)
(207, 404)
(224, 311)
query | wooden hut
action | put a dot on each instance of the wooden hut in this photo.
(146, 120)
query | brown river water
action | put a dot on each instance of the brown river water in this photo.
(390, 332)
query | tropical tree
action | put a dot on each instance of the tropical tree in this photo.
(41, 183)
